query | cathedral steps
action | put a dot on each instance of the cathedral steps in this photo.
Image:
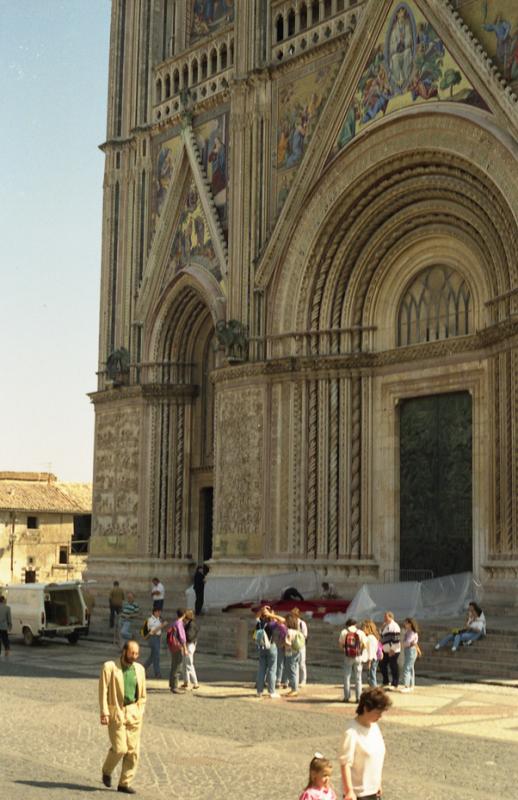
(493, 659)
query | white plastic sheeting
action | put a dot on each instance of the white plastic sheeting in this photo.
(433, 599)
(221, 592)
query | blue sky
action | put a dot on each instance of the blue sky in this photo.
(54, 77)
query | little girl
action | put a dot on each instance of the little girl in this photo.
(318, 787)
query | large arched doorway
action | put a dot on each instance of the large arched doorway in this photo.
(181, 423)
(371, 350)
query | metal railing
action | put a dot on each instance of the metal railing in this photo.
(407, 575)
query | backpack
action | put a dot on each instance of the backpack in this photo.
(173, 642)
(352, 646)
(144, 631)
(298, 641)
(262, 639)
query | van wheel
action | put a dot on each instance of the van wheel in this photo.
(28, 636)
(73, 638)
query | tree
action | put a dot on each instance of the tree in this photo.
(451, 78)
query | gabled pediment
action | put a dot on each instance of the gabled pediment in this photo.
(409, 65)
(436, 66)
(188, 229)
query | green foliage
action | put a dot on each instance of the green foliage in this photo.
(451, 78)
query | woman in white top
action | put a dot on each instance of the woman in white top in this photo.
(363, 748)
(370, 654)
(303, 628)
(475, 629)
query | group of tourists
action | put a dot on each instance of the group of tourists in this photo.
(122, 698)
(281, 647)
(365, 645)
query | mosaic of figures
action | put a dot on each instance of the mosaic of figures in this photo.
(300, 99)
(165, 164)
(192, 240)
(409, 65)
(209, 15)
(495, 24)
(212, 140)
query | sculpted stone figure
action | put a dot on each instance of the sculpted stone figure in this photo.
(118, 365)
(232, 337)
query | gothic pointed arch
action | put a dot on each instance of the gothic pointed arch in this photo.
(179, 345)
(480, 86)
(388, 209)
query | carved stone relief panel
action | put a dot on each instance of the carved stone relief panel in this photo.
(240, 472)
(115, 500)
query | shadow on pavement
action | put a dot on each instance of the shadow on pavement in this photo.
(78, 787)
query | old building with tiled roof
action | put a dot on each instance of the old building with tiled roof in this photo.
(44, 526)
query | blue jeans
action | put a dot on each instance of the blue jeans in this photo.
(267, 669)
(460, 638)
(125, 631)
(352, 668)
(371, 676)
(154, 655)
(281, 666)
(409, 655)
(292, 670)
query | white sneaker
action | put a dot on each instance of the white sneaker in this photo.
(275, 696)
(404, 689)
(437, 647)
(453, 649)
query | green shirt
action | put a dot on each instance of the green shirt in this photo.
(130, 684)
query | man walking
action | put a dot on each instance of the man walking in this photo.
(122, 697)
(5, 625)
(157, 594)
(154, 638)
(128, 613)
(177, 644)
(116, 600)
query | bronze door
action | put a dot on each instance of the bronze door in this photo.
(436, 484)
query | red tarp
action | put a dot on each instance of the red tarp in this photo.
(319, 608)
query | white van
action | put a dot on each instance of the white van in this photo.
(47, 609)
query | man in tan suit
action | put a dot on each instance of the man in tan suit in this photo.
(122, 697)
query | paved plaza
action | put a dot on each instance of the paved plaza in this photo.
(446, 740)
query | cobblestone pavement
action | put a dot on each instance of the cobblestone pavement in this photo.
(454, 741)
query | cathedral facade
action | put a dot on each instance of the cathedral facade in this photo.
(309, 305)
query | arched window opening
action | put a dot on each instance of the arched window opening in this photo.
(279, 28)
(436, 305)
(158, 91)
(231, 52)
(195, 71)
(303, 16)
(223, 56)
(204, 66)
(327, 8)
(168, 86)
(291, 23)
(176, 82)
(315, 12)
(185, 76)
(213, 61)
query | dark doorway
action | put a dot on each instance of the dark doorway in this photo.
(436, 484)
(206, 500)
